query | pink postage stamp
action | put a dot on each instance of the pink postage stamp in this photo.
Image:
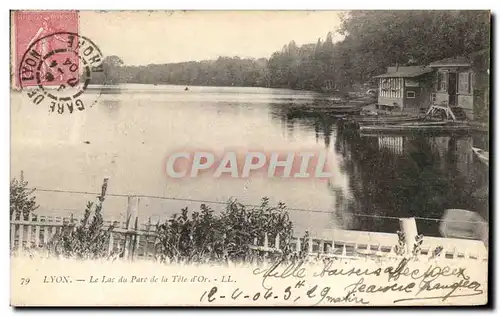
(41, 33)
(53, 62)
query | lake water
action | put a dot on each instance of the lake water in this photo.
(127, 135)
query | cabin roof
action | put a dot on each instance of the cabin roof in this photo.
(405, 72)
(457, 61)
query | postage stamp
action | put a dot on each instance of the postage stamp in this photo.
(54, 64)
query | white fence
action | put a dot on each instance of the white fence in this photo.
(133, 240)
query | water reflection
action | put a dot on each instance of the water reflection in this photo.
(392, 143)
(404, 175)
(127, 135)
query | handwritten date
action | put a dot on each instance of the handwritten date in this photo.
(300, 292)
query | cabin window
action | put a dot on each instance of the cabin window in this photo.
(464, 83)
(410, 94)
(411, 83)
(442, 81)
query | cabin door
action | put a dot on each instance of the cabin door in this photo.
(452, 88)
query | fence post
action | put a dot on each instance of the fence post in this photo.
(12, 232)
(131, 218)
(21, 237)
(37, 235)
(146, 238)
(136, 237)
(110, 244)
(28, 238)
(409, 227)
(266, 248)
(298, 246)
(45, 232)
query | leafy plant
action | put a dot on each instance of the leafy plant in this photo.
(228, 236)
(22, 201)
(401, 246)
(417, 246)
(190, 238)
(88, 239)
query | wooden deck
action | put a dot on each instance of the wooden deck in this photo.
(422, 127)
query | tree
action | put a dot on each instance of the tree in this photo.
(373, 40)
(22, 202)
(111, 67)
(378, 39)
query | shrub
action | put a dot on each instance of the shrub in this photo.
(190, 238)
(86, 240)
(204, 236)
(22, 202)
(245, 225)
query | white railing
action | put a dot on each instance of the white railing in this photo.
(133, 240)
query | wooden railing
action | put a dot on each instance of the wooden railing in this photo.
(134, 240)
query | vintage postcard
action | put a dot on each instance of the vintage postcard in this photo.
(249, 158)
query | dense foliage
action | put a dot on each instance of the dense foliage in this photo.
(373, 40)
(22, 201)
(225, 71)
(202, 236)
(378, 39)
(228, 236)
(86, 240)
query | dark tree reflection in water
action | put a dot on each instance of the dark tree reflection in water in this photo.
(410, 175)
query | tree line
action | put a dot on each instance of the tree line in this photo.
(373, 40)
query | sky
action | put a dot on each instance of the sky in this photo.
(142, 37)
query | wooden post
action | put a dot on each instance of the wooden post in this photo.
(45, 235)
(146, 238)
(20, 239)
(135, 246)
(321, 246)
(37, 236)
(28, 238)
(110, 244)
(409, 227)
(12, 236)
(132, 211)
(298, 246)
(53, 232)
(266, 248)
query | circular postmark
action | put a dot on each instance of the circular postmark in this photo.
(56, 71)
